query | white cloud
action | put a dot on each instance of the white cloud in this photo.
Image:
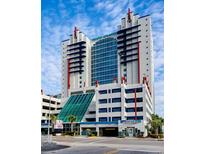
(53, 34)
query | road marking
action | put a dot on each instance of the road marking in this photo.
(140, 150)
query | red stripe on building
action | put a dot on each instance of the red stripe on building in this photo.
(138, 66)
(68, 73)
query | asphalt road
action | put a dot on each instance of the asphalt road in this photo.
(107, 145)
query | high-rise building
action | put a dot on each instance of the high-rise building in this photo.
(107, 82)
(104, 59)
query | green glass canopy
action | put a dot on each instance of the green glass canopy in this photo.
(76, 105)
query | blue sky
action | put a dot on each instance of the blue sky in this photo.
(95, 18)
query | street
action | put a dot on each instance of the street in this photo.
(107, 145)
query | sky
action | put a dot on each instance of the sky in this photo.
(95, 18)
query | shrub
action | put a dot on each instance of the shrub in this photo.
(154, 135)
(161, 135)
(93, 134)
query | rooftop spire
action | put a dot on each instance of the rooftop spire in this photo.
(75, 32)
(129, 15)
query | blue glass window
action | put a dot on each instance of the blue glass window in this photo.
(116, 100)
(102, 101)
(116, 118)
(116, 90)
(102, 110)
(102, 91)
(133, 118)
(133, 90)
(116, 109)
(139, 109)
(103, 119)
(104, 59)
(132, 100)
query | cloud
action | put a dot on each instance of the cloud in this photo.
(96, 18)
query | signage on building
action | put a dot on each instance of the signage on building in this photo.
(58, 124)
(130, 122)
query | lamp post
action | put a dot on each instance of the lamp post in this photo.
(49, 120)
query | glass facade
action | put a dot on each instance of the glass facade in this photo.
(104, 60)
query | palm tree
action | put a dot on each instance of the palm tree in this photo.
(71, 119)
(156, 124)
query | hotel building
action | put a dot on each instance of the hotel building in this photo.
(107, 82)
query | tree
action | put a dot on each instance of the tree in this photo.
(71, 119)
(155, 124)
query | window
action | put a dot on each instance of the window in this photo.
(116, 109)
(147, 47)
(109, 100)
(80, 82)
(132, 100)
(103, 119)
(45, 100)
(116, 90)
(43, 114)
(45, 107)
(129, 100)
(139, 109)
(102, 101)
(146, 41)
(132, 90)
(147, 53)
(115, 100)
(146, 25)
(130, 109)
(146, 35)
(139, 117)
(133, 118)
(91, 112)
(140, 99)
(103, 92)
(109, 91)
(146, 30)
(147, 58)
(80, 77)
(116, 118)
(109, 118)
(102, 110)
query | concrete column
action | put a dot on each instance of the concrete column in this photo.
(96, 100)
(80, 130)
(98, 131)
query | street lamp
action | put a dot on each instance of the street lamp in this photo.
(49, 120)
